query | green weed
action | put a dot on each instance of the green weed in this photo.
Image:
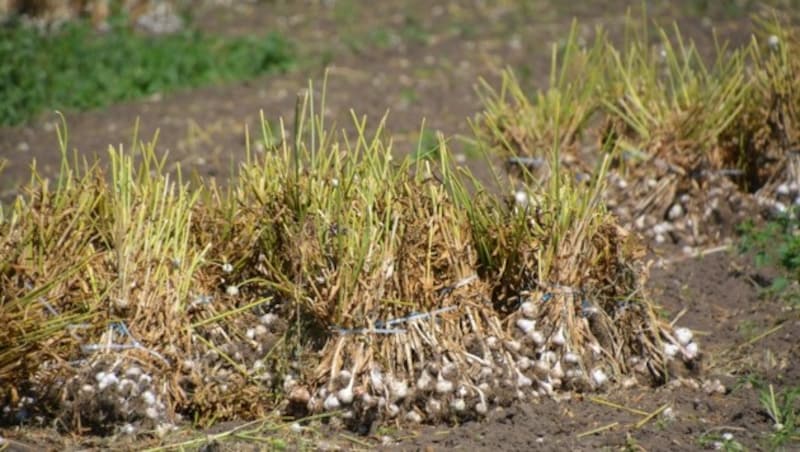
(720, 441)
(75, 68)
(784, 411)
(776, 243)
(782, 408)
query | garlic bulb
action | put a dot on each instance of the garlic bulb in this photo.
(398, 388)
(692, 350)
(571, 358)
(522, 380)
(443, 386)
(331, 403)
(528, 309)
(684, 335)
(526, 325)
(413, 416)
(458, 405)
(376, 379)
(345, 394)
(599, 377)
(557, 371)
(424, 381)
(558, 338)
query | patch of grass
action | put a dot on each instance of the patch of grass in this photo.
(409, 95)
(747, 329)
(76, 68)
(720, 441)
(783, 408)
(776, 242)
(413, 31)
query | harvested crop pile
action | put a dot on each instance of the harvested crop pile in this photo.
(697, 148)
(328, 278)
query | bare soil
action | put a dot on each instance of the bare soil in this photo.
(419, 60)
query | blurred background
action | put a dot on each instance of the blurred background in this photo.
(198, 71)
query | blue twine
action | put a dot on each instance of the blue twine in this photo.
(382, 327)
(202, 299)
(122, 329)
(587, 308)
(622, 306)
(345, 331)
